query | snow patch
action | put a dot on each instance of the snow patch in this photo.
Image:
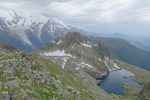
(64, 63)
(77, 68)
(59, 42)
(59, 23)
(107, 65)
(116, 66)
(107, 58)
(85, 64)
(86, 45)
(59, 53)
(100, 60)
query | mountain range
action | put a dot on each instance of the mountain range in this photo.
(127, 52)
(27, 32)
(42, 58)
(141, 42)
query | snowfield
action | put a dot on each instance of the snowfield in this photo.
(57, 53)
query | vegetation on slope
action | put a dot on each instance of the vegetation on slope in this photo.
(31, 76)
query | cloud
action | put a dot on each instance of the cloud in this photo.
(92, 15)
(98, 10)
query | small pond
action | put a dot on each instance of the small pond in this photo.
(114, 81)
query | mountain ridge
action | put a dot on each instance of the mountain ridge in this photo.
(127, 52)
(29, 32)
(81, 54)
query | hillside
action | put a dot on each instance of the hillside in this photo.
(127, 52)
(35, 77)
(30, 76)
(81, 54)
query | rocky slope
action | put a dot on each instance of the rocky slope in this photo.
(33, 77)
(80, 54)
(29, 32)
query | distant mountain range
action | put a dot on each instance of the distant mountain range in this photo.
(28, 32)
(141, 42)
(124, 51)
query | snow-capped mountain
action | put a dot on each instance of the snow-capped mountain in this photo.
(29, 32)
(81, 54)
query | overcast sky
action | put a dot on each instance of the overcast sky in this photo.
(122, 16)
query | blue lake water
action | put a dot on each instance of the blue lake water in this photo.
(113, 83)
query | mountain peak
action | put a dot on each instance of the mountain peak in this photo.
(74, 37)
(31, 32)
(55, 20)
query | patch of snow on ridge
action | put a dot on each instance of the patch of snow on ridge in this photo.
(77, 68)
(107, 65)
(59, 23)
(107, 58)
(85, 64)
(59, 42)
(59, 53)
(65, 60)
(86, 45)
(100, 59)
(116, 66)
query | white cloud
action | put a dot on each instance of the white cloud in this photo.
(92, 15)
(125, 16)
(98, 10)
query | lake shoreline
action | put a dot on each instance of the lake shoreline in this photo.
(113, 81)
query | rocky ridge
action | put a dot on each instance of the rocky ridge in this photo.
(80, 54)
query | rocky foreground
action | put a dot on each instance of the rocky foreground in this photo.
(32, 77)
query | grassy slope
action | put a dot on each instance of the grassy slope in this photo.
(45, 91)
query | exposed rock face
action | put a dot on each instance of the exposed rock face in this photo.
(81, 54)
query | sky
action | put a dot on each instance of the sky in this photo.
(99, 16)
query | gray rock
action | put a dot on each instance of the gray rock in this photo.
(13, 83)
(76, 92)
(57, 84)
(72, 90)
(9, 72)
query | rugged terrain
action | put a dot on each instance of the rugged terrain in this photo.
(68, 66)
(31, 76)
(29, 32)
(66, 69)
(81, 54)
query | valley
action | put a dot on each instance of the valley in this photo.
(42, 58)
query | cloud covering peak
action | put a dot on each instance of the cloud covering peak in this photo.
(123, 16)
